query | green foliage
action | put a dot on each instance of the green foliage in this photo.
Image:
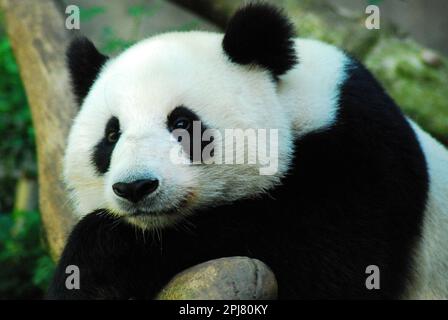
(418, 88)
(88, 13)
(25, 267)
(113, 43)
(147, 10)
(188, 26)
(17, 146)
(17, 149)
(136, 11)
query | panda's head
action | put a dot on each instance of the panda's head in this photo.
(123, 150)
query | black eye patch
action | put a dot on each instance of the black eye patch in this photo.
(184, 118)
(103, 150)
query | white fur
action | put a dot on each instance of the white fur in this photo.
(431, 256)
(310, 91)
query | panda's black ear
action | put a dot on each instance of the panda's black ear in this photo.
(84, 62)
(261, 34)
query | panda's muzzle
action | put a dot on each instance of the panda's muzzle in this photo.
(135, 191)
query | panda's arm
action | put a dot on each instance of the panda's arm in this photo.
(119, 261)
(112, 260)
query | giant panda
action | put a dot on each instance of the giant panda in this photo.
(356, 183)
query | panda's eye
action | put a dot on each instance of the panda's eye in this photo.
(112, 132)
(182, 123)
(181, 118)
(112, 137)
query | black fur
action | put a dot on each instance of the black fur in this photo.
(261, 34)
(103, 150)
(354, 197)
(84, 63)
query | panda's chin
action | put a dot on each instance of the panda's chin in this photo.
(143, 213)
(154, 220)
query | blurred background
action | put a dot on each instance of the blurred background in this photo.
(408, 54)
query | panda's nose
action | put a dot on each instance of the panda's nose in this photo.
(136, 190)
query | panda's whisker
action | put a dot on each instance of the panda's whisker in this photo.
(114, 225)
(187, 225)
(157, 228)
(143, 235)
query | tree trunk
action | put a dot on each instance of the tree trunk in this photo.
(39, 38)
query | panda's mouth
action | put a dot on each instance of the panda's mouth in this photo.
(148, 218)
(172, 211)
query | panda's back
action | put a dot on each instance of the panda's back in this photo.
(380, 173)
